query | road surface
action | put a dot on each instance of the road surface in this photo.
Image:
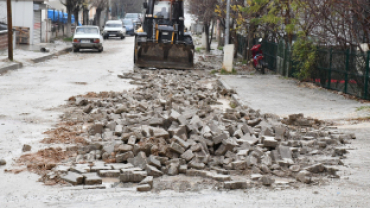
(31, 100)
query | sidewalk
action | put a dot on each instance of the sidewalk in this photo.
(30, 54)
(275, 94)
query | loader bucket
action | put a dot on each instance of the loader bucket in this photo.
(164, 55)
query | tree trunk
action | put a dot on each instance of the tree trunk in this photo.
(77, 10)
(218, 34)
(213, 27)
(98, 13)
(221, 40)
(85, 16)
(206, 30)
(69, 12)
(251, 31)
(235, 42)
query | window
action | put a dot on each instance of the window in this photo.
(132, 15)
(87, 31)
(127, 21)
(162, 9)
(113, 25)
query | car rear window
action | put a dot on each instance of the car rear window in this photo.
(87, 31)
(132, 15)
(127, 21)
(113, 25)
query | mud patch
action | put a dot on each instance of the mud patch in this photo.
(80, 83)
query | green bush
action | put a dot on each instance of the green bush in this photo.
(305, 56)
(214, 71)
(224, 72)
(68, 39)
(198, 49)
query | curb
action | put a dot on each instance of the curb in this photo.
(234, 96)
(48, 57)
(16, 66)
(13, 66)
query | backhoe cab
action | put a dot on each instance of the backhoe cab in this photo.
(162, 42)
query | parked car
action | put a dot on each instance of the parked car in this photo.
(3, 26)
(129, 25)
(114, 28)
(136, 17)
(87, 37)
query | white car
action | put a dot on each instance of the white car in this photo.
(87, 37)
(114, 28)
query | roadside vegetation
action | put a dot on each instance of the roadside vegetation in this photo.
(363, 108)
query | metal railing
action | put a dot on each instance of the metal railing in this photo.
(345, 71)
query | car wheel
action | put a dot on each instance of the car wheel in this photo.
(122, 37)
(101, 50)
(76, 50)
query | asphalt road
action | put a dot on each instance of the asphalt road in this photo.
(31, 100)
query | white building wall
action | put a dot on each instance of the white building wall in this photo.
(3, 12)
(22, 14)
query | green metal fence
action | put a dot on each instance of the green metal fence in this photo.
(242, 44)
(270, 52)
(345, 71)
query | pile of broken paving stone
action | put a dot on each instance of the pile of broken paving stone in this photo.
(169, 125)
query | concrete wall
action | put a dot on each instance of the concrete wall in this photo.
(3, 40)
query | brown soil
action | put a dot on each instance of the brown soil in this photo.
(44, 160)
(64, 135)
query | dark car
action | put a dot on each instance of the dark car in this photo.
(129, 25)
(3, 26)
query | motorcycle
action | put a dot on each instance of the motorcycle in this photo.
(258, 62)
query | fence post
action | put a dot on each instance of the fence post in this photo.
(366, 92)
(330, 65)
(346, 75)
(285, 68)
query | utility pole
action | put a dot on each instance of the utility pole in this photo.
(228, 48)
(10, 30)
(227, 23)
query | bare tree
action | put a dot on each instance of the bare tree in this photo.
(120, 7)
(85, 7)
(77, 6)
(73, 6)
(100, 5)
(204, 11)
(69, 5)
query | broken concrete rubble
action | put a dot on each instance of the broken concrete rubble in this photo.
(166, 126)
(73, 178)
(2, 162)
(26, 148)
